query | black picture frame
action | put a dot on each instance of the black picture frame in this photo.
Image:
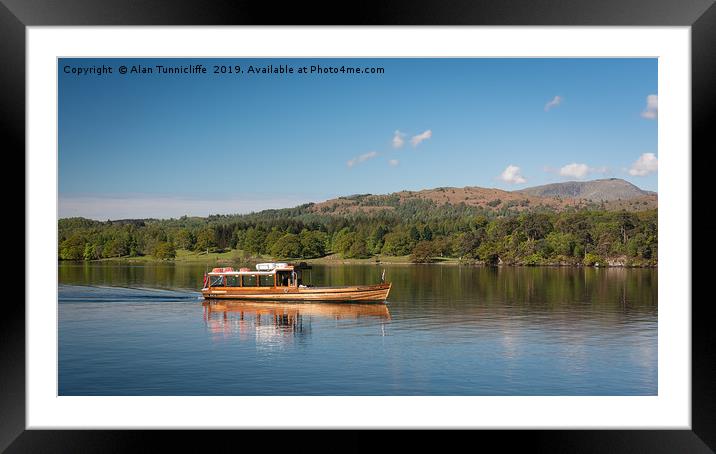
(16, 15)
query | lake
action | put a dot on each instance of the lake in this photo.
(143, 329)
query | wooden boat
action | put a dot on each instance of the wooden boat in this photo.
(283, 282)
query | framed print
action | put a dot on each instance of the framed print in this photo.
(413, 221)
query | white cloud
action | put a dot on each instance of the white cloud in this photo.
(415, 140)
(512, 175)
(398, 140)
(578, 171)
(652, 107)
(574, 170)
(362, 158)
(557, 100)
(393, 162)
(646, 164)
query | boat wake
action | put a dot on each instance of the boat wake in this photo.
(104, 294)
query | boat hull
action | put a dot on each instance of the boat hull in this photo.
(374, 293)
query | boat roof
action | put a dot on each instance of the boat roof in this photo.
(261, 269)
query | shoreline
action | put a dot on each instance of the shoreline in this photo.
(235, 256)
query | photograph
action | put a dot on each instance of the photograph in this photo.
(353, 226)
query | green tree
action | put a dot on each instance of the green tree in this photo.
(133, 246)
(254, 241)
(164, 250)
(375, 240)
(607, 238)
(626, 222)
(533, 259)
(502, 227)
(641, 245)
(313, 244)
(423, 252)
(591, 259)
(115, 247)
(288, 246)
(271, 238)
(467, 244)
(535, 225)
(359, 248)
(427, 234)
(73, 248)
(205, 239)
(397, 243)
(414, 233)
(343, 240)
(443, 246)
(580, 225)
(184, 239)
(489, 252)
(90, 252)
(561, 243)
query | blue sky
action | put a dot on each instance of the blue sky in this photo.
(164, 145)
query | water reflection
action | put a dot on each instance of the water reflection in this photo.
(422, 286)
(271, 322)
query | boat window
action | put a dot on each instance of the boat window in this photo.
(249, 280)
(266, 280)
(217, 281)
(282, 279)
(232, 281)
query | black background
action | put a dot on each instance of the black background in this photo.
(15, 15)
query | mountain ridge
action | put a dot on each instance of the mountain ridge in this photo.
(610, 194)
(606, 189)
(470, 197)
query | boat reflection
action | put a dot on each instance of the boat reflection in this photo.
(270, 322)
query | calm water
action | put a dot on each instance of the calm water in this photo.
(143, 330)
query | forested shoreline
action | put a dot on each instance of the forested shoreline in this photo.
(423, 231)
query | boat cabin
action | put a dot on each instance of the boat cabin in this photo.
(266, 275)
(283, 282)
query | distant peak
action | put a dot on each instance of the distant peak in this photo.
(605, 189)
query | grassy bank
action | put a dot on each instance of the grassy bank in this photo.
(184, 256)
(235, 257)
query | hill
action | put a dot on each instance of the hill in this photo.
(598, 190)
(612, 194)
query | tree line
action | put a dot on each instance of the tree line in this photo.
(423, 231)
